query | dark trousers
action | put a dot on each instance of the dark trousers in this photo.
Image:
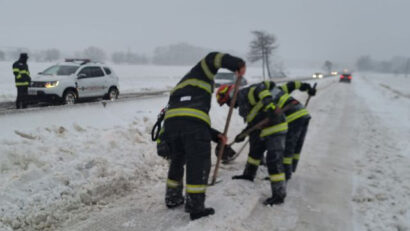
(299, 143)
(190, 145)
(275, 147)
(22, 97)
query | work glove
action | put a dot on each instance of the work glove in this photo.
(312, 91)
(240, 137)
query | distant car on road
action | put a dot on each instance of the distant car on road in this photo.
(73, 80)
(228, 78)
(317, 75)
(345, 77)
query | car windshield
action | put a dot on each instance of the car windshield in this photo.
(226, 76)
(60, 70)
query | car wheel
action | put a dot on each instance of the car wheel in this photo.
(70, 97)
(112, 94)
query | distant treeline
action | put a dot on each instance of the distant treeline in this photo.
(396, 65)
(176, 54)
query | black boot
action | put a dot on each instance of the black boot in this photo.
(195, 206)
(248, 174)
(173, 197)
(278, 193)
(205, 212)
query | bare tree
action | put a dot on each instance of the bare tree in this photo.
(328, 66)
(261, 48)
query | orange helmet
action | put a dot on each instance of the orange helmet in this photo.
(224, 93)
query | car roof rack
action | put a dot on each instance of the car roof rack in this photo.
(81, 61)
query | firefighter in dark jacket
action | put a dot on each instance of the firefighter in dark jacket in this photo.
(188, 134)
(22, 80)
(255, 103)
(297, 118)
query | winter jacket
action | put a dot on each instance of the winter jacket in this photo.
(21, 74)
(256, 103)
(191, 97)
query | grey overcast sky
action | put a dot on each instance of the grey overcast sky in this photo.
(338, 30)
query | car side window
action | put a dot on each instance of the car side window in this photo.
(92, 72)
(107, 70)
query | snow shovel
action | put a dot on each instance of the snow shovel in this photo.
(228, 120)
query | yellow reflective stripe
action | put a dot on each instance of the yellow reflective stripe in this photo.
(263, 94)
(172, 183)
(19, 76)
(253, 161)
(160, 132)
(267, 84)
(195, 188)
(287, 160)
(297, 84)
(283, 99)
(285, 88)
(277, 177)
(296, 115)
(16, 70)
(218, 60)
(271, 105)
(206, 70)
(296, 156)
(22, 83)
(251, 98)
(196, 83)
(24, 72)
(274, 129)
(188, 112)
(254, 112)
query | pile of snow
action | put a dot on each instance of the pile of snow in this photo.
(90, 167)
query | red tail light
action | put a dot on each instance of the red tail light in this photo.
(341, 76)
(350, 77)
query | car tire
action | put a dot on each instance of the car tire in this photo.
(69, 97)
(112, 94)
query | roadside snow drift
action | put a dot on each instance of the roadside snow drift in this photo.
(90, 167)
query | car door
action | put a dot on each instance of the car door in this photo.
(89, 81)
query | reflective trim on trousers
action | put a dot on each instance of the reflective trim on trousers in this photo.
(287, 160)
(195, 188)
(277, 177)
(253, 161)
(172, 183)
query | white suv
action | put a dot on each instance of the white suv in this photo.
(72, 80)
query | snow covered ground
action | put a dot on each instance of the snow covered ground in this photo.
(89, 167)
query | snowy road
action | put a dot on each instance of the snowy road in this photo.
(101, 172)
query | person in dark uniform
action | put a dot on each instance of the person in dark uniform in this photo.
(22, 80)
(188, 134)
(297, 118)
(255, 104)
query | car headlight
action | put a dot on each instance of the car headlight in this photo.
(314, 76)
(51, 84)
